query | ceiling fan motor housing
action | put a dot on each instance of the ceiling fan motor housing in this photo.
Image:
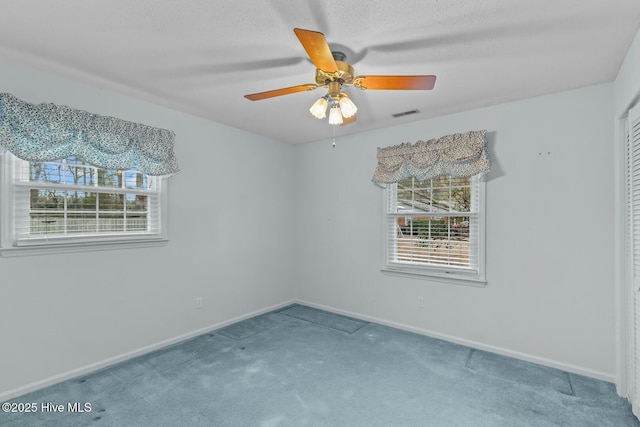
(344, 75)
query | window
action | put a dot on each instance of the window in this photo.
(436, 228)
(67, 203)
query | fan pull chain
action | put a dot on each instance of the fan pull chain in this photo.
(334, 137)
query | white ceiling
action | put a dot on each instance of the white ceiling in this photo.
(202, 56)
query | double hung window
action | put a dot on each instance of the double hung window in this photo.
(436, 227)
(68, 202)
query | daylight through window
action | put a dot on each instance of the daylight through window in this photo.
(68, 200)
(434, 227)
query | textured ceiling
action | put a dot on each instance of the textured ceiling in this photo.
(202, 56)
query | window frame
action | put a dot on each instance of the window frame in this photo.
(11, 246)
(439, 273)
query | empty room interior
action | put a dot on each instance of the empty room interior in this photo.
(236, 221)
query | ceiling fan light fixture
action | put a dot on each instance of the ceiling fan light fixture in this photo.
(319, 108)
(335, 115)
(332, 73)
(347, 106)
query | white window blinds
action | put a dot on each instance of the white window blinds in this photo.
(434, 216)
(70, 202)
(434, 226)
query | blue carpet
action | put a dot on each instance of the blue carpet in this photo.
(320, 317)
(305, 367)
(508, 369)
(246, 328)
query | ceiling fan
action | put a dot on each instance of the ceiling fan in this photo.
(333, 72)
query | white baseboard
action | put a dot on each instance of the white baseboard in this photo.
(11, 394)
(36, 385)
(473, 344)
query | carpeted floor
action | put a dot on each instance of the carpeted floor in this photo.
(305, 367)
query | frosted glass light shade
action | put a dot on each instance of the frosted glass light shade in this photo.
(335, 116)
(319, 108)
(348, 107)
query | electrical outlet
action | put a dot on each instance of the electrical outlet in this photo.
(199, 302)
(420, 302)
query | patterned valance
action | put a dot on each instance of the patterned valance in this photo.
(460, 155)
(47, 132)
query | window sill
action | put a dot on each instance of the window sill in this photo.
(17, 251)
(442, 277)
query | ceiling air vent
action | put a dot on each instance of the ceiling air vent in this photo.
(406, 113)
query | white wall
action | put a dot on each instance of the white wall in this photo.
(550, 216)
(627, 84)
(231, 243)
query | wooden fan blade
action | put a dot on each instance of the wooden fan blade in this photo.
(280, 92)
(395, 82)
(318, 49)
(348, 120)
